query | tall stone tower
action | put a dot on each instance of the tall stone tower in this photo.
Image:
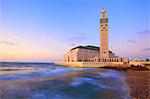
(104, 50)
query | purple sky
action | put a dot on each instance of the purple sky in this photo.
(43, 30)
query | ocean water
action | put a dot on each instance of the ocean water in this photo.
(49, 81)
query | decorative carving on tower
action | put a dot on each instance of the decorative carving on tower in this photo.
(104, 50)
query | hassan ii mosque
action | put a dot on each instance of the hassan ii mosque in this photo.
(92, 53)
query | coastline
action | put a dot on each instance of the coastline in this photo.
(125, 68)
(120, 66)
(138, 84)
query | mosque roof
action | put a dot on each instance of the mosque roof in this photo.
(89, 47)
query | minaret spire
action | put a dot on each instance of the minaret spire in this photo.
(104, 50)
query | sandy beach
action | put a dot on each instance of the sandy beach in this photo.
(138, 83)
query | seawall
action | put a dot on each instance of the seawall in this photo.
(92, 64)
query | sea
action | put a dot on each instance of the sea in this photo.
(19, 80)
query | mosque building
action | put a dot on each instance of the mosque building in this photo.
(92, 53)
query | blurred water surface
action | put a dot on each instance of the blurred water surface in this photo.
(49, 81)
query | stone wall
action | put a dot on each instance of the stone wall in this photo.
(91, 64)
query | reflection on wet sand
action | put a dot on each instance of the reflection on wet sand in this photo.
(139, 84)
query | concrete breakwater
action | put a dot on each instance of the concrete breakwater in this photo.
(136, 66)
(92, 64)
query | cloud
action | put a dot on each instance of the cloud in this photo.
(77, 38)
(141, 36)
(8, 43)
(73, 41)
(131, 41)
(145, 32)
(145, 35)
(146, 49)
(72, 44)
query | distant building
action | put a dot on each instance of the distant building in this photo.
(92, 53)
(83, 54)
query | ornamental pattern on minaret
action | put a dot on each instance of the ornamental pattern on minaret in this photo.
(104, 50)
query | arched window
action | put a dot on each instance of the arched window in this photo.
(68, 58)
(99, 60)
(121, 59)
(104, 29)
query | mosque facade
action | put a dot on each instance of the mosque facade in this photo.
(91, 53)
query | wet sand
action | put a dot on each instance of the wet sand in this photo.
(138, 83)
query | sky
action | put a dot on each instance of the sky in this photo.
(44, 30)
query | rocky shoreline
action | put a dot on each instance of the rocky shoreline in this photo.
(137, 79)
(138, 83)
(131, 68)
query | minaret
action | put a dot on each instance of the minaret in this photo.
(104, 50)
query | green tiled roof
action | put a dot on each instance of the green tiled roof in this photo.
(89, 47)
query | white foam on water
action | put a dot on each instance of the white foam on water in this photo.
(81, 80)
(112, 74)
